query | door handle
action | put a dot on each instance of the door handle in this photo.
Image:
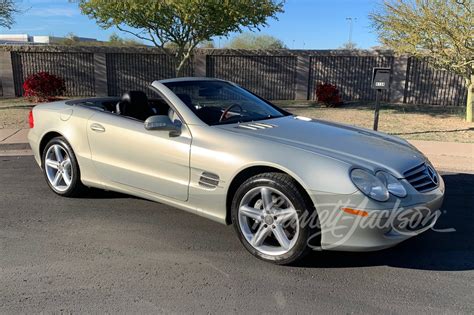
(97, 127)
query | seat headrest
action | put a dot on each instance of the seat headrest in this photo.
(134, 97)
(134, 104)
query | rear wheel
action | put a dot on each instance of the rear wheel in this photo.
(61, 169)
(266, 212)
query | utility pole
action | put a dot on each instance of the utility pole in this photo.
(351, 20)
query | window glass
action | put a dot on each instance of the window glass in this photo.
(217, 102)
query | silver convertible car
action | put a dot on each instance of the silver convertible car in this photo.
(288, 184)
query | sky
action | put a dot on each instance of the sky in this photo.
(305, 24)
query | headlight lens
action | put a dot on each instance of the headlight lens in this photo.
(369, 184)
(392, 183)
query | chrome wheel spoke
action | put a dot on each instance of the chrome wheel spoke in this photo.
(261, 234)
(281, 237)
(57, 178)
(52, 164)
(67, 163)
(285, 215)
(66, 178)
(252, 213)
(266, 198)
(57, 153)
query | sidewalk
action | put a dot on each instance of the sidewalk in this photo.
(452, 156)
(14, 142)
(446, 156)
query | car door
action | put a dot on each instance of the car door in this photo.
(153, 161)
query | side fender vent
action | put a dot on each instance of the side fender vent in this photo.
(208, 180)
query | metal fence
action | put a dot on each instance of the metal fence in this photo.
(425, 85)
(271, 77)
(280, 74)
(77, 70)
(126, 71)
(351, 74)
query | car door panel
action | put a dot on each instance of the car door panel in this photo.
(125, 152)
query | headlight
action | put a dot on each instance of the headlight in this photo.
(392, 183)
(369, 184)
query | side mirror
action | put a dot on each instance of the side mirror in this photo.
(162, 122)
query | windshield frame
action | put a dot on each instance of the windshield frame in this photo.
(171, 84)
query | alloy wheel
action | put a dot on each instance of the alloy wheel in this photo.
(58, 167)
(268, 220)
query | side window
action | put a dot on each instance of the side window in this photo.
(159, 106)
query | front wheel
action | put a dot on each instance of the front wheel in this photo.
(61, 169)
(267, 212)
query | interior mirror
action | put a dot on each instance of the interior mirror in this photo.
(161, 122)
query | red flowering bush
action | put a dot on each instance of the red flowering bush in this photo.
(43, 87)
(328, 94)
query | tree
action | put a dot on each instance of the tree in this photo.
(185, 23)
(207, 44)
(349, 46)
(438, 30)
(70, 40)
(254, 41)
(115, 40)
(7, 9)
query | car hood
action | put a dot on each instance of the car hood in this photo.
(353, 145)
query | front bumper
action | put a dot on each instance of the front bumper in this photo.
(354, 223)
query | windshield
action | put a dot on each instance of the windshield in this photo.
(218, 102)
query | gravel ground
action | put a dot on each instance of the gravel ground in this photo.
(406, 121)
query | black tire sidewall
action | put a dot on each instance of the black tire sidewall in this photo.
(76, 186)
(286, 185)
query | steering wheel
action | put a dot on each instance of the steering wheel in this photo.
(226, 111)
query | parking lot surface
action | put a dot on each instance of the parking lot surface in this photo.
(109, 252)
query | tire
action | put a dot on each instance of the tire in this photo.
(283, 191)
(68, 182)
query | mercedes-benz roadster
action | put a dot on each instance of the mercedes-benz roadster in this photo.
(287, 183)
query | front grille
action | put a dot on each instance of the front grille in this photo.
(422, 177)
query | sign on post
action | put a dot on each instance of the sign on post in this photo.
(380, 81)
(381, 78)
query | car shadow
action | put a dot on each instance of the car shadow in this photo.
(96, 193)
(433, 250)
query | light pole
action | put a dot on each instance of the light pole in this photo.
(351, 20)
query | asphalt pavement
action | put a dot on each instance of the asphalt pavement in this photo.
(109, 252)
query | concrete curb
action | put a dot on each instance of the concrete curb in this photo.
(14, 146)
